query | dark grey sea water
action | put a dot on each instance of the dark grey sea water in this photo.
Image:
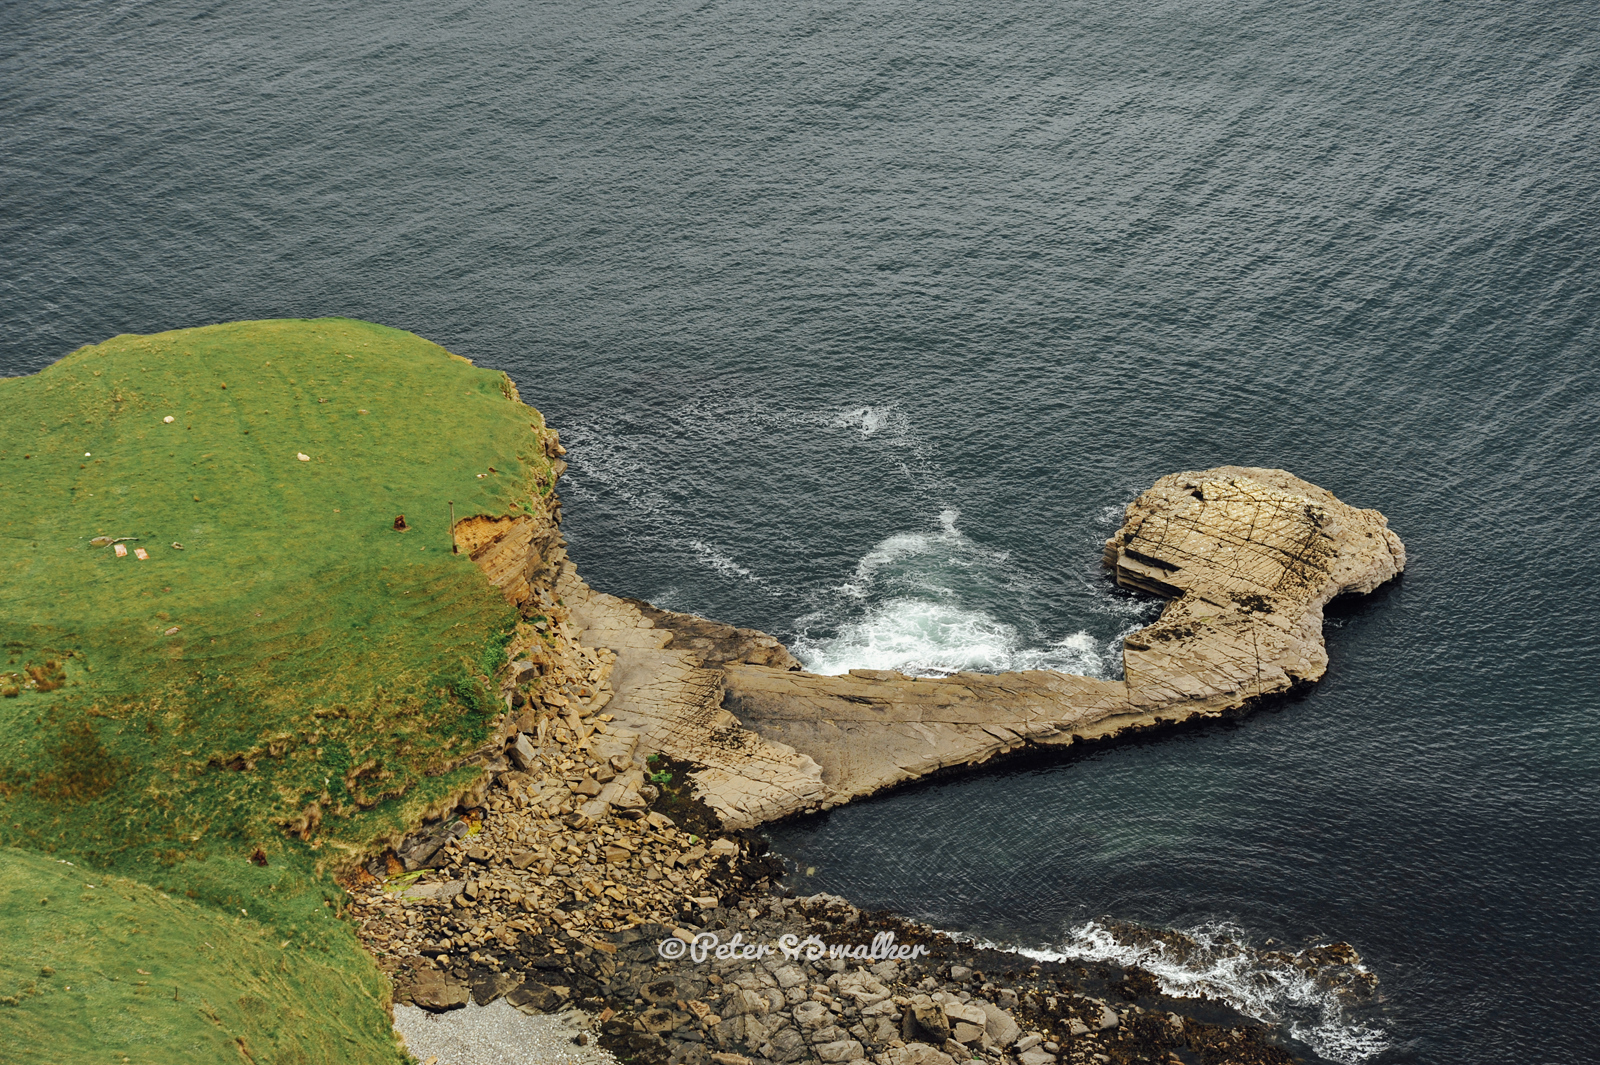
(863, 320)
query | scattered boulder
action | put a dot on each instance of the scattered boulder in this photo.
(435, 992)
(811, 1014)
(1001, 1026)
(660, 1019)
(963, 1032)
(971, 1013)
(925, 1020)
(659, 992)
(742, 1003)
(918, 1054)
(534, 998)
(521, 752)
(789, 976)
(489, 988)
(422, 848)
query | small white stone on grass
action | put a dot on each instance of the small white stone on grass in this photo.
(169, 419)
(302, 456)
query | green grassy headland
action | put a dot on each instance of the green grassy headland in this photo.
(286, 686)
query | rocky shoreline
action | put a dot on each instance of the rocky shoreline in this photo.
(640, 747)
(540, 905)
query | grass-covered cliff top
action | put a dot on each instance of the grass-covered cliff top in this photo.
(297, 661)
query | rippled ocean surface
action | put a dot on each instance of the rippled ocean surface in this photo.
(863, 321)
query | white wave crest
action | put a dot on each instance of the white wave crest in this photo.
(912, 605)
(928, 639)
(1214, 961)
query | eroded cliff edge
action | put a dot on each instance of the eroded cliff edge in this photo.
(1247, 558)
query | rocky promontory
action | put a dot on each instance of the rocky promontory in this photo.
(1246, 557)
(643, 744)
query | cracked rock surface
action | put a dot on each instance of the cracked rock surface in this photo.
(668, 686)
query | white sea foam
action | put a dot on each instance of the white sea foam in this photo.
(913, 636)
(924, 601)
(929, 639)
(720, 561)
(1216, 962)
(911, 605)
(867, 420)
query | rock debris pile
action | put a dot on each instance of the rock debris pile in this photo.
(557, 888)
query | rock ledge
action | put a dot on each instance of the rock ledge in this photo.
(1247, 558)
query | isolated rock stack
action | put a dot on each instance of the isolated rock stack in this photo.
(1248, 559)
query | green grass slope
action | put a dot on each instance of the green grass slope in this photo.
(295, 662)
(105, 969)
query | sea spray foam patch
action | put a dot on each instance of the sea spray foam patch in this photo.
(928, 594)
(920, 603)
(1323, 995)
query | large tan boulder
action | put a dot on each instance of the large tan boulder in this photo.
(1249, 557)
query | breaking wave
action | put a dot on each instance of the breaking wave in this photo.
(912, 605)
(1315, 994)
(925, 601)
(923, 638)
